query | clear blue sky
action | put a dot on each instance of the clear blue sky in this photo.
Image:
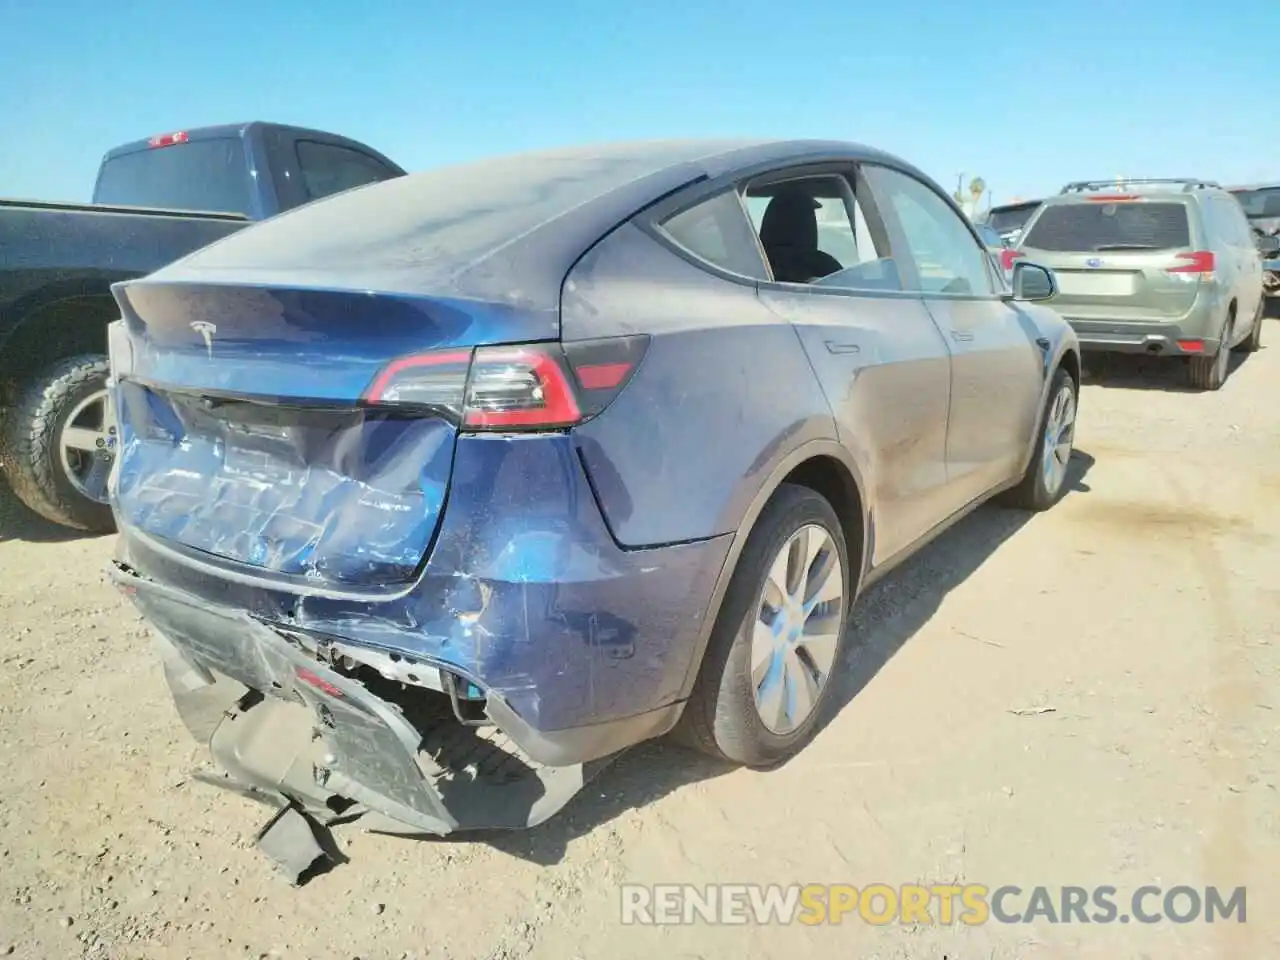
(1028, 95)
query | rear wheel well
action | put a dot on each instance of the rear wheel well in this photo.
(1071, 364)
(831, 479)
(68, 327)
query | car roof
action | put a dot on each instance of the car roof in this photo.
(1014, 205)
(504, 229)
(1163, 195)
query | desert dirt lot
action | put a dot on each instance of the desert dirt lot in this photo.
(1087, 697)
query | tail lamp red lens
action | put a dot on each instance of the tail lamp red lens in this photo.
(168, 139)
(1007, 257)
(522, 387)
(1201, 262)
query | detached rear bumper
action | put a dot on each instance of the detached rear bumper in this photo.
(293, 731)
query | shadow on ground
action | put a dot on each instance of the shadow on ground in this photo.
(1166, 374)
(19, 522)
(887, 616)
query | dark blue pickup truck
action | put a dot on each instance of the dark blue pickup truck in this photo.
(155, 201)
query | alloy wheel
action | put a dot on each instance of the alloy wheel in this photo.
(88, 445)
(796, 629)
(1059, 434)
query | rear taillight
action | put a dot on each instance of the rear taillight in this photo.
(524, 387)
(1007, 257)
(1197, 264)
(519, 387)
(168, 139)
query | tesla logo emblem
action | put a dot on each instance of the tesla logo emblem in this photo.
(206, 330)
(1093, 262)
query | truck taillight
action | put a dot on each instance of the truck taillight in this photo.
(1200, 264)
(523, 387)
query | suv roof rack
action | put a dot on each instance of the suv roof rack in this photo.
(1187, 183)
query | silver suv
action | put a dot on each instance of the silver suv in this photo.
(1163, 267)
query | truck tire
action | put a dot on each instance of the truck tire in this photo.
(32, 451)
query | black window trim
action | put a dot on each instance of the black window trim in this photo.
(651, 219)
(910, 271)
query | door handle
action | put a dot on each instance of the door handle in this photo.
(961, 336)
(835, 346)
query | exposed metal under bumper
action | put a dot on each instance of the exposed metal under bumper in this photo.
(288, 730)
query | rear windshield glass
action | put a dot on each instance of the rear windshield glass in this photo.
(1110, 226)
(1003, 221)
(200, 175)
(1260, 204)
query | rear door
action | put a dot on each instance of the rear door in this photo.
(878, 355)
(1118, 257)
(997, 369)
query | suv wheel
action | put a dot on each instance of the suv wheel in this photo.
(1210, 373)
(767, 673)
(1254, 340)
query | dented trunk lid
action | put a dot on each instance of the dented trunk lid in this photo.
(244, 439)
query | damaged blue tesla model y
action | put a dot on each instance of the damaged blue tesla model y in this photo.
(441, 492)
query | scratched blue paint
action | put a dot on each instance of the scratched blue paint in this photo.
(525, 592)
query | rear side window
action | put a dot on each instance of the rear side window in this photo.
(207, 175)
(1094, 225)
(328, 168)
(814, 230)
(1007, 221)
(717, 231)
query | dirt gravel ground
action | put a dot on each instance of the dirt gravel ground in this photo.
(1086, 697)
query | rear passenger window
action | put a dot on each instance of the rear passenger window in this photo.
(328, 168)
(814, 231)
(717, 231)
(1093, 225)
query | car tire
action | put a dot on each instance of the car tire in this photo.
(1043, 483)
(31, 444)
(1210, 373)
(724, 716)
(1251, 343)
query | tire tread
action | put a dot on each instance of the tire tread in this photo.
(29, 436)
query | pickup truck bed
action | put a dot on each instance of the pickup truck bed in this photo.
(59, 260)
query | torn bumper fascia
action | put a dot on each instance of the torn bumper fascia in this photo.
(321, 742)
